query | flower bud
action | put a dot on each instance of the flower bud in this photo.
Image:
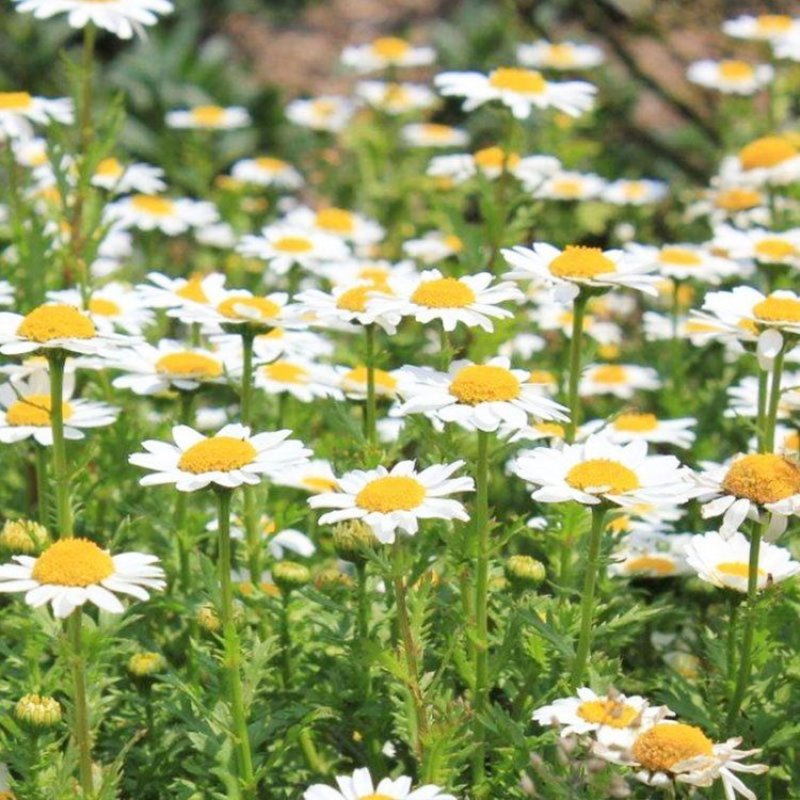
(145, 665)
(38, 711)
(524, 572)
(289, 575)
(331, 580)
(208, 619)
(352, 540)
(23, 537)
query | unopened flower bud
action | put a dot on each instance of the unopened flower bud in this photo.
(352, 540)
(289, 575)
(332, 580)
(38, 711)
(145, 665)
(524, 572)
(208, 619)
(23, 537)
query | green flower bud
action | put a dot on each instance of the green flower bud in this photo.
(23, 537)
(289, 575)
(145, 665)
(524, 572)
(38, 711)
(352, 539)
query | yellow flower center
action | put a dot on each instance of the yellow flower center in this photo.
(376, 275)
(189, 365)
(109, 168)
(245, 307)
(634, 190)
(484, 384)
(217, 454)
(602, 474)
(193, 290)
(319, 484)
(443, 293)
(495, 158)
(396, 94)
(680, 257)
(516, 79)
(610, 373)
(103, 307)
(773, 23)
(692, 326)
(561, 55)
(270, 164)
(391, 493)
(737, 569)
(390, 48)
(735, 70)
(778, 309)
(550, 429)
(775, 249)
(792, 441)
(581, 262)
(375, 797)
(293, 244)
(15, 101)
(738, 199)
(435, 131)
(208, 116)
(383, 379)
(769, 151)
(665, 745)
(354, 299)
(636, 422)
(34, 410)
(568, 187)
(49, 322)
(763, 478)
(323, 108)
(658, 565)
(609, 712)
(152, 204)
(286, 372)
(336, 220)
(454, 243)
(73, 562)
(542, 376)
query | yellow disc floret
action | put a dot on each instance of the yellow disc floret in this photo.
(104, 307)
(391, 493)
(391, 48)
(249, 308)
(217, 454)
(581, 262)
(484, 384)
(153, 204)
(763, 478)
(293, 244)
(15, 101)
(443, 293)
(56, 321)
(777, 309)
(286, 372)
(187, 364)
(651, 565)
(733, 70)
(383, 380)
(602, 474)
(193, 290)
(208, 116)
(336, 220)
(680, 257)
(767, 152)
(73, 562)
(611, 712)
(667, 744)
(775, 249)
(495, 158)
(737, 569)
(355, 299)
(516, 79)
(34, 410)
(634, 423)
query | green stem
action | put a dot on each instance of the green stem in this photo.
(763, 384)
(42, 510)
(578, 314)
(362, 618)
(82, 732)
(89, 38)
(57, 360)
(587, 598)
(746, 652)
(183, 535)
(251, 532)
(233, 656)
(732, 618)
(481, 636)
(774, 401)
(369, 413)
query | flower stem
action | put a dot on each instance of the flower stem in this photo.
(182, 534)
(587, 597)
(369, 413)
(233, 656)
(42, 510)
(578, 314)
(57, 360)
(82, 731)
(250, 511)
(763, 384)
(746, 652)
(774, 401)
(481, 636)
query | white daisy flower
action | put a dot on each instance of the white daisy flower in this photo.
(54, 326)
(386, 52)
(298, 377)
(172, 216)
(745, 487)
(166, 292)
(619, 380)
(731, 76)
(634, 425)
(235, 310)
(673, 751)
(607, 716)
(330, 113)
(284, 245)
(773, 160)
(315, 477)
(230, 458)
(112, 306)
(72, 572)
(19, 109)
(477, 396)
(742, 205)
(598, 471)
(764, 27)
(521, 90)
(125, 178)
(339, 222)
(26, 406)
(577, 267)
(123, 18)
(759, 244)
(433, 134)
(388, 500)
(561, 56)
(267, 171)
(208, 117)
(471, 300)
(651, 554)
(396, 98)
(570, 186)
(345, 306)
(640, 192)
(6, 294)
(725, 562)
(682, 262)
(491, 163)
(149, 370)
(433, 247)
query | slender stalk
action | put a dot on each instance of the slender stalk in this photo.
(82, 731)
(233, 656)
(746, 651)
(57, 360)
(774, 401)
(42, 500)
(481, 515)
(733, 604)
(763, 385)
(578, 314)
(587, 598)
(251, 532)
(362, 614)
(183, 536)
(369, 413)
